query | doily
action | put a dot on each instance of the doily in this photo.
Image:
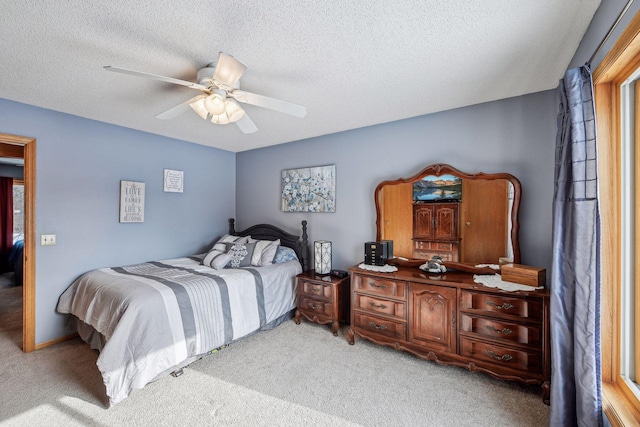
(495, 281)
(379, 268)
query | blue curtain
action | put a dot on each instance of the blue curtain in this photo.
(576, 381)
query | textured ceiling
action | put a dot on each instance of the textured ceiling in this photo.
(351, 63)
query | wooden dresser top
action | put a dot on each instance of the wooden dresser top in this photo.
(456, 279)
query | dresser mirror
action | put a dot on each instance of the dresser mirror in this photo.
(462, 217)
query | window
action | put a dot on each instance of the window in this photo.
(18, 209)
(629, 289)
(616, 97)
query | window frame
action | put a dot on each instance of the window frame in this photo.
(620, 403)
(19, 181)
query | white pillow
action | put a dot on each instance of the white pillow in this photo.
(216, 259)
(264, 252)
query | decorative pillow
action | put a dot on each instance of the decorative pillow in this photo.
(216, 259)
(240, 253)
(284, 254)
(228, 238)
(265, 252)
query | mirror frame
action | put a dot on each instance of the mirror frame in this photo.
(438, 169)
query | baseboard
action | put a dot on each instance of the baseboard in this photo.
(56, 341)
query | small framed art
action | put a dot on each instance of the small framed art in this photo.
(173, 181)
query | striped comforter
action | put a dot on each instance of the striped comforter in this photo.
(156, 316)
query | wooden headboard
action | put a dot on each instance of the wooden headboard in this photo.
(299, 243)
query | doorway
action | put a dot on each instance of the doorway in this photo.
(12, 146)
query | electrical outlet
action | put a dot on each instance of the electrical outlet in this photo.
(47, 239)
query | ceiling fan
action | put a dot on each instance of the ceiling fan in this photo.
(219, 84)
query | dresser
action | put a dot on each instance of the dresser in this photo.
(450, 319)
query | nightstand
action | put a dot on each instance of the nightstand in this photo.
(323, 299)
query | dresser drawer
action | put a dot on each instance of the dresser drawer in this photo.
(501, 305)
(502, 330)
(377, 325)
(387, 287)
(507, 357)
(315, 306)
(317, 290)
(380, 306)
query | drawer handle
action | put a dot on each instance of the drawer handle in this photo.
(504, 357)
(505, 306)
(315, 306)
(380, 306)
(316, 290)
(504, 331)
(378, 327)
(375, 285)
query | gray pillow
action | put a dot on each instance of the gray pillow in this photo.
(241, 253)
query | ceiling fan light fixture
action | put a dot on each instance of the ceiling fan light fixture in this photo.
(214, 104)
(199, 107)
(233, 110)
(220, 119)
(228, 69)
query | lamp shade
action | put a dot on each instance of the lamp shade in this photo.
(228, 69)
(322, 258)
(220, 119)
(233, 110)
(214, 104)
(198, 107)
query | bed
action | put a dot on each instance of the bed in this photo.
(152, 319)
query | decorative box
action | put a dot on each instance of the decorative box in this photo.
(377, 253)
(524, 274)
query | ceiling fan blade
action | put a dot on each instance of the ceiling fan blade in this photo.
(177, 110)
(246, 125)
(156, 77)
(270, 103)
(228, 69)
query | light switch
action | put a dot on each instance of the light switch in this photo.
(47, 239)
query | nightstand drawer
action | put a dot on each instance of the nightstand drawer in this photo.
(380, 306)
(501, 305)
(520, 360)
(316, 306)
(387, 287)
(317, 290)
(507, 331)
(387, 328)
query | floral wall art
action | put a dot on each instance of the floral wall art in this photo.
(309, 189)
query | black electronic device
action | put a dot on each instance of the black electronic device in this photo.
(339, 273)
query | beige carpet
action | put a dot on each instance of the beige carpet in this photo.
(292, 375)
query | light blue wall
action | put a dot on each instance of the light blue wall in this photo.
(80, 164)
(515, 135)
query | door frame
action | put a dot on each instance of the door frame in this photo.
(8, 145)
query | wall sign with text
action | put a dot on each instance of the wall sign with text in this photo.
(131, 201)
(173, 181)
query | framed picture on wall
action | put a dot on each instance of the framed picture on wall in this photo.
(131, 201)
(309, 189)
(173, 181)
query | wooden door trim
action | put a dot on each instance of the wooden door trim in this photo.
(29, 272)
